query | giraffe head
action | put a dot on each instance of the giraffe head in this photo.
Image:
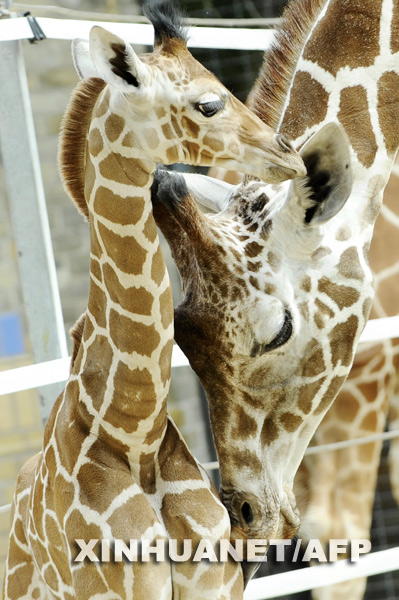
(268, 318)
(181, 112)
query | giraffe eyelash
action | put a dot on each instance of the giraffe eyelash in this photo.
(209, 109)
(282, 337)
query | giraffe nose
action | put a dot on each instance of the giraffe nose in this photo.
(246, 513)
(284, 142)
(244, 508)
(285, 162)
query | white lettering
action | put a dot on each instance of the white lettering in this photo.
(86, 550)
(280, 548)
(105, 550)
(158, 550)
(336, 547)
(205, 550)
(187, 550)
(236, 551)
(256, 550)
(121, 549)
(359, 547)
(314, 550)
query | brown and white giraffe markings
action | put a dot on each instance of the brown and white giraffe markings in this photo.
(114, 466)
(342, 487)
(335, 61)
(240, 275)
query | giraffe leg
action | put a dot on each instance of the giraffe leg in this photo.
(349, 514)
(353, 589)
(393, 457)
(318, 473)
(360, 409)
(22, 580)
(320, 518)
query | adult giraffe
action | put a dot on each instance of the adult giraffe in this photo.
(337, 489)
(113, 464)
(277, 286)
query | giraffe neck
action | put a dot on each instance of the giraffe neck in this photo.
(123, 365)
(347, 72)
(338, 77)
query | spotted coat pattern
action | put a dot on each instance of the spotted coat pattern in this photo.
(113, 463)
(243, 268)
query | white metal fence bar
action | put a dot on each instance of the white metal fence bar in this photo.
(367, 439)
(32, 376)
(95, 16)
(52, 371)
(386, 328)
(137, 33)
(29, 216)
(275, 586)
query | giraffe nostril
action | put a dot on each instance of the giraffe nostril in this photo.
(284, 142)
(247, 513)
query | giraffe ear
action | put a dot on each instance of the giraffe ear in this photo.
(82, 60)
(212, 193)
(328, 184)
(116, 61)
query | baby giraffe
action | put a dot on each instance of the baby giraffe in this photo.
(113, 464)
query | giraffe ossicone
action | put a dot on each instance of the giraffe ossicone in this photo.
(276, 285)
(113, 464)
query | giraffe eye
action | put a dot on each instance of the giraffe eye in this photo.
(208, 109)
(282, 337)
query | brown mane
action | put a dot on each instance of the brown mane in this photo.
(270, 90)
(72, 146)
(76, 333)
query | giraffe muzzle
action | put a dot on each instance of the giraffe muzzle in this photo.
(281, 162)
(286, 158)
(285, 143)
(252, 518)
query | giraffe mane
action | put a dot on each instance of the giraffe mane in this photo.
(270, 90)
(76, 333)
(167, 22)
(73, 136)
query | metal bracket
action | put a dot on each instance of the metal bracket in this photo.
(38, 33)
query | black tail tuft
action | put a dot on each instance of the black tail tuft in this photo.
(167, 21)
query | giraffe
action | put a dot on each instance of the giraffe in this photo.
(113, 464)
(276, 284)
(336, 490)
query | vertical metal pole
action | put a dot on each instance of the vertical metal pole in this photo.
(29, 216)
